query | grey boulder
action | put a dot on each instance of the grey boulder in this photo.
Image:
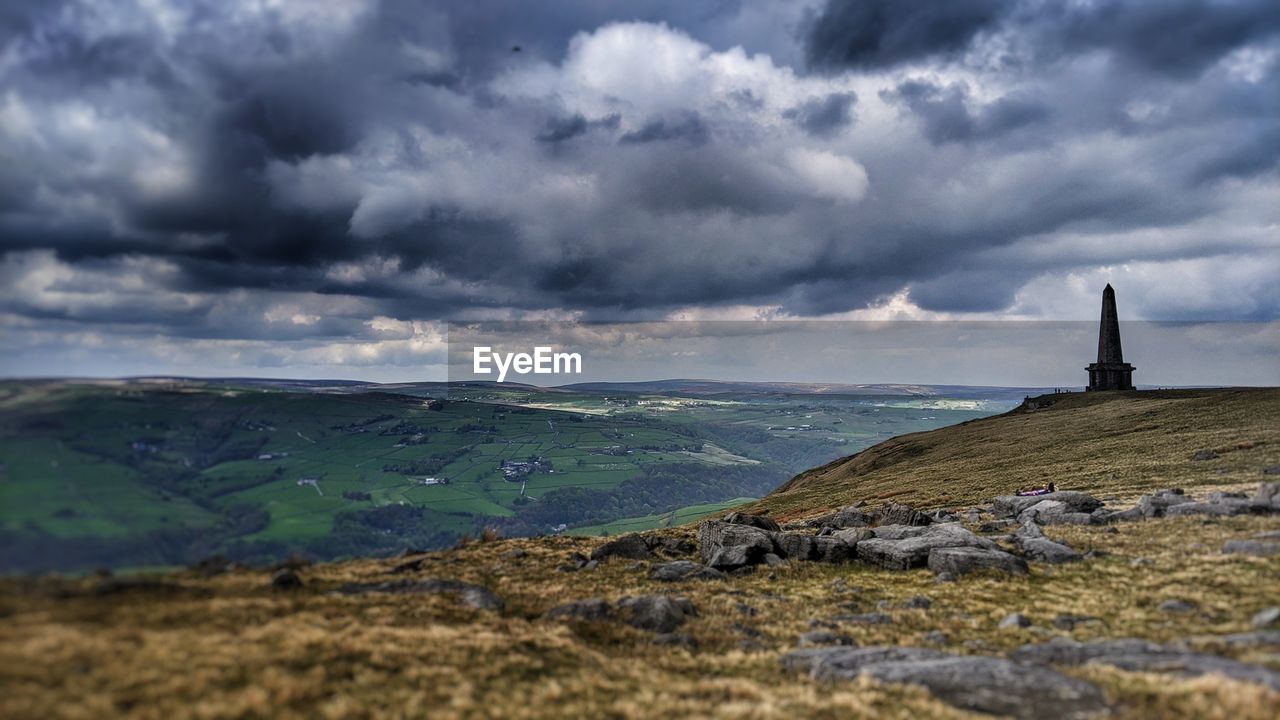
(657, 613)
(1031, 540)
(1074, 501)
(726, 546)
(900, 547)
(1260, 548)
(685, 570)
(593, 609)
(982, 684)
(962, 560)
(1143, 656)
(756, 521)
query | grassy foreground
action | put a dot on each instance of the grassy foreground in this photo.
(232, 646)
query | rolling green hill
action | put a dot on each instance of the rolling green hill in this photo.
(163, 471)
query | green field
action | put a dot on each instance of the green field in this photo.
(160, 472)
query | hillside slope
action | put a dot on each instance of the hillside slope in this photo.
(1103, 443)
(531, 628)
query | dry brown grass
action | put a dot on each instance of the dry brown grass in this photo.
(1104, 443)
(230, 646)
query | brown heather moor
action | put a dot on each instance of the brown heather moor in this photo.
(231, 646)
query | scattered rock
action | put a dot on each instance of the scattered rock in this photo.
(918, 602)
(853, 536)
(1064, 651)
(823, 638)
(943, 516)
(1257, 638)
(675, 546)
(726, 546)
(1268, 496)
(1204, 455)
(843, 518)
(1177, 605)
(1031, 540)
(631, 547)
(685, 570)
(286, 579)
(983, 684)
(896, 514)
(935, 637)
(594, 609)
(901, 547)
(1073, 501)
(1267, 617)
(756, 521)
(1272, 470)
(997, 526)
(1056, 512)
(658, 613)
(1143, 656)
(516, 554)
(475, 596)
(961, 560)
(797, 546)
(833, 550)
(1260, 548)
(1223, 506)
(1014, 620)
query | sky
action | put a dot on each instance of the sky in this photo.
(295, 189)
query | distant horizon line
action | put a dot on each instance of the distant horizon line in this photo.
(490, 383)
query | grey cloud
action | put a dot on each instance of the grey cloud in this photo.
(826, 115)
(881, 33)
(1170, 37)
(561, 129)
(947, 117)
(380, 168)
(688, 127)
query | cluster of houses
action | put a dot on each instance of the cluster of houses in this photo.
(517, 470)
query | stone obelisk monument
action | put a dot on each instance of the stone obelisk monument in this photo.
(1111, 372)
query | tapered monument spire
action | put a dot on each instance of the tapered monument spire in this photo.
(1110, 372)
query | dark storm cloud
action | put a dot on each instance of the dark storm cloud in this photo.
(882, 33)
(560, 129)
(687, 126)
(826, 115)
(947, 116)
(232, 170)
(1175, 37)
